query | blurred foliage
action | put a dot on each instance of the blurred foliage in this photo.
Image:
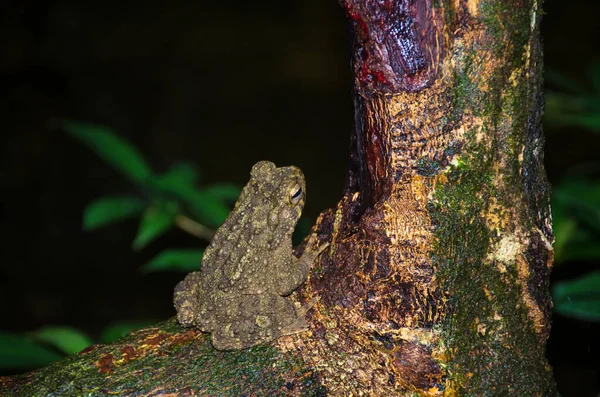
(18, 352)
(186, 260)
(67, 340)
(576, 198)
(569, 104)
(576, 219)
(167, 200)
(107, 210)
(579, 298)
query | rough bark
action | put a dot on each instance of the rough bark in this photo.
(436, 278)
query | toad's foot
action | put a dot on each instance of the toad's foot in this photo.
(300, 325)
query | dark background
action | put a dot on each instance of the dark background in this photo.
(222, 84)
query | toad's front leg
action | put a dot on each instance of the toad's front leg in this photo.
(296, 270)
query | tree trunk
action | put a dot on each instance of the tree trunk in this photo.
(435, 281)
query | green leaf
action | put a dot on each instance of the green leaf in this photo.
(227, 192)
(576, 219)
(185, 260)
(113, 149)
(579, 298)
(182, 172)
(18, 352)
(207, 205)
(564, 225)
(157, 219)
(107, 210)
(118, 330)
(589, 121)
(66, 339)
(208, 209)
(579, 200)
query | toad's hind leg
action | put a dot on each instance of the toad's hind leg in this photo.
(253, 319)
(185, 298)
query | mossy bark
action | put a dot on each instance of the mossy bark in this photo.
(435, 282)
(167, 360)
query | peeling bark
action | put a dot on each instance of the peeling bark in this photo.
(435, 282)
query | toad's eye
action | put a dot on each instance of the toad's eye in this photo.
(295, 194)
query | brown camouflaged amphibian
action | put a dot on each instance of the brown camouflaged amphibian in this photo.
(248, 270)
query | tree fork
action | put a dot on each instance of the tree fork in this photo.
(435, 281)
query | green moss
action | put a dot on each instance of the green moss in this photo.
(464, 89)
(504, 356)
(508, 357)
(507, 25)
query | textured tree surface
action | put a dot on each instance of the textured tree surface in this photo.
(435, 281)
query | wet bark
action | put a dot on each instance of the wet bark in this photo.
(435, 281)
